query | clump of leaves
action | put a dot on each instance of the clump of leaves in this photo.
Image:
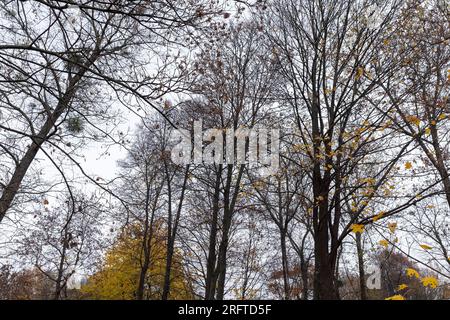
(75, 124)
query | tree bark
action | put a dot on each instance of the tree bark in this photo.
(211, 260)
(171, 241)
(362, 275)
(285, 264)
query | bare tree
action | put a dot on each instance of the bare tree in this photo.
(62, 62)
(63, 239)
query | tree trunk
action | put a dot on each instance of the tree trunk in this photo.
(147, 239)
(324, 278)
(144, 267)
(58, 287)
(171, 240)
(142, 275)
(362, 275)
(304, 275)
(222, 259)
(211, 260)
(285, 264)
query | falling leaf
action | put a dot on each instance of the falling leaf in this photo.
(396, 297)
(402, 287)
(412, 273)
(426, 247)
(408, 165)
(429, 282)
(384, 243)
(427, 131)
(357, 228)
(442, 116)
(392, 226)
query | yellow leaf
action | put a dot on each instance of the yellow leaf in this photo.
(429, 282)
(427, 131)
(328, 91)
(396, 297)
(378, 216)
(359, 73)
(392, 226)
(412, 273)
(259, 184)
(442, 116)
(370, 181)
(118, 276)
(426, 247)
(413, 119)
(408, 165)
(402, 287)
(384, 243)
(368, 192)
(357, 228)
(297, 147)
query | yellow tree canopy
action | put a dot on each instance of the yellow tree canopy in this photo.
(119, 276)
